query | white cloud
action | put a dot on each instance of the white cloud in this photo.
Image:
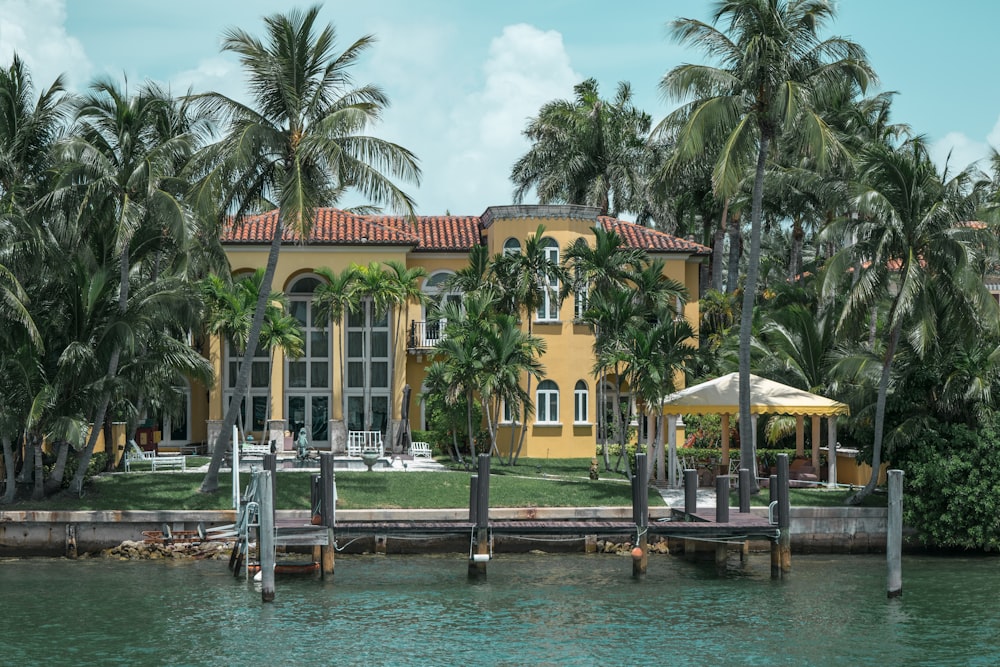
(216, 74)
(36, 30)
(958, 151)
(525, 68)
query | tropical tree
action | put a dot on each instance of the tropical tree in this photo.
(333, 298)
(532, 278)
(912, 253)
(404, 289)
(122, 170)
(586, 151)
(774, 68)
(300, 144)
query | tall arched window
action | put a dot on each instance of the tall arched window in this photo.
(548, 306)
(581, 401)
(512, 247)
(429, 332)
(547, 403)
(307, 378)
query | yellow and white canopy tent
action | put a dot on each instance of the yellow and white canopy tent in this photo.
(721, 396)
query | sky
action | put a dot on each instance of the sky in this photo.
(465, 76)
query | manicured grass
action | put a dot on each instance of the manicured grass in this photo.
(530, 483)
(355, 490)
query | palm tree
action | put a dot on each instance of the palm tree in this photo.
(585, 151)
(332, 300)
(122, 169)
(299, 145)
(532, 279)
(912, 253)
(774, 67)
(404, 288)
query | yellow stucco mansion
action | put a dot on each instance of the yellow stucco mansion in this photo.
(316, 393)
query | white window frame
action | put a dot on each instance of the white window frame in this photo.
(581, 403)
(546, 395)
(548, 308)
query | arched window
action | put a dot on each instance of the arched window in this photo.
(581, 399)
(548, 307)
(512, 247)
(308, 377)
(547, 403)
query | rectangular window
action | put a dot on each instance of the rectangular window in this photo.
(580, 406)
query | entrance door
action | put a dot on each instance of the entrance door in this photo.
(367, 390)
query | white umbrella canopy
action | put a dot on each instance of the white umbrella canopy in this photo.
(722, 396)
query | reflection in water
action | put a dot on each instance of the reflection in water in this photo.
(532, 609)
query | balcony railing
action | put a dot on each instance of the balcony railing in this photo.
(425, 335)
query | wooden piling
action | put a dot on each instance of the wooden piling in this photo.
(265, 540)
(721, 515)
(640, 514)
(894, 537)
(328, 511)
(481, 555)
(784, 516)
(270, 463)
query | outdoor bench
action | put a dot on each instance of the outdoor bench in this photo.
(255, 449)
(420, 449)
(163, 462)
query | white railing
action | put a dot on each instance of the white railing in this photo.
(360, 441)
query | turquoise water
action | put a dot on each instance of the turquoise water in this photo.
(531, 610)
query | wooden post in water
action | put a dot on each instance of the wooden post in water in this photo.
(265, 540)
(894, 538)
(328, 510)
(784, 516)
(721, 515)
(481, 555)
(690, 491)
(640, 514)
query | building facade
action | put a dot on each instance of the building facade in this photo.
(352, 374)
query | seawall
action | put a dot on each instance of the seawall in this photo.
(43, 533)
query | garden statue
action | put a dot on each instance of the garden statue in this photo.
(302, 443)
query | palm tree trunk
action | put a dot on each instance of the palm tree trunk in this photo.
(746, 316)
(211, 482)
(55, 479)
(39, 489)
(732, 276)
(468, 416)
(718, 241)
(883, 391)
(10, 483)
(795, 258)
(524, 411)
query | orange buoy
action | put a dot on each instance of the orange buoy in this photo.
(637, 553)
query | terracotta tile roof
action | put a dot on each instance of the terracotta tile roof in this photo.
(331, 227)
(651, 240)
(429, 233)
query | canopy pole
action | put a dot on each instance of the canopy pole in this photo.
(815, 444)
(725, 439)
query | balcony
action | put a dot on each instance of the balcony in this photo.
(424, 336)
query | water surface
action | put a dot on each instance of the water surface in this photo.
(531, 610)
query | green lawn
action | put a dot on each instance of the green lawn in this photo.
(355, 490)
(531, 483)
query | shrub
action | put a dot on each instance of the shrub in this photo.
(951, 486)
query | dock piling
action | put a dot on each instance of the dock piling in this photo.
(328, 510)
(894, 537)
(640, 514)
(781, 548)
(690, 491)
(481, 555)
(265, 540)
(745, 481)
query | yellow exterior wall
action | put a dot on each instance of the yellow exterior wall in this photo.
(569, 347)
